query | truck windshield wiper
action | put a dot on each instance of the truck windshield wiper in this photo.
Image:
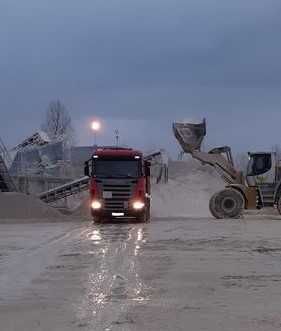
(125, 176)
(105, 176)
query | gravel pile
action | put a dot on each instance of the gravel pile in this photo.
(21, 206)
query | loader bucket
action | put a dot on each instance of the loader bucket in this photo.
(190, 136)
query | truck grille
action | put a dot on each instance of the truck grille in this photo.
(121, 194)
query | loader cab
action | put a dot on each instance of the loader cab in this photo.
(261, 169)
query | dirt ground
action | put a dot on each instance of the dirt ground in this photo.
(172, 274)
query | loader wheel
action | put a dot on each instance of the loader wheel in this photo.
(227, 204)
(212, 206)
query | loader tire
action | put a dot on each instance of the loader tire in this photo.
(212, 206)
(228, 203)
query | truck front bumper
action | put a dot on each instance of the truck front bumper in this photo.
(117, 214)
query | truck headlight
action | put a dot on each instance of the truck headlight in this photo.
(138, 205)
(96, 205)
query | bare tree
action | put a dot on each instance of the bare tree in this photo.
(58, 123)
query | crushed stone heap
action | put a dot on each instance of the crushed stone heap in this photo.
(21, 206)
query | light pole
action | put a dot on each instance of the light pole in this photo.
(117, 137)
(95, 127)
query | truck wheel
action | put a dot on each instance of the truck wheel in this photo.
(144, 217)
(148, 209)
(98, 220)
(228, 203)
(279, 205)
(147, 218)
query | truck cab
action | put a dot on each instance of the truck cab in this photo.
(119, 184)
(262, 169)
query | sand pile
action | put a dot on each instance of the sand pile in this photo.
(188, 192)
(84, 210)
(21, 206)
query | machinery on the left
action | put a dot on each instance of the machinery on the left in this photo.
(6, 182)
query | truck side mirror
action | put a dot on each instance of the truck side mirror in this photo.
(86, 169)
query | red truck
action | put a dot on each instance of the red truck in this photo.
(119, 184)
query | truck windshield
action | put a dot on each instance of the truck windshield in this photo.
(117, 168)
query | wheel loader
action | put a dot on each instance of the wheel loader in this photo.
(261, 187)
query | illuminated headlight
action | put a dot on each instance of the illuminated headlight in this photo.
(138, 205)
(96, 205)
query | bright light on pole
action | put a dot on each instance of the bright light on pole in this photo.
(95, 127)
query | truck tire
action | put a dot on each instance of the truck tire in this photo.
(228, 203)
(144, 217)
(98, 220)
(279, 205)
(148, 209)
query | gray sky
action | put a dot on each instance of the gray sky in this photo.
(140, 64)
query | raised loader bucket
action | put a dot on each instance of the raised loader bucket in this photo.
(190, 136)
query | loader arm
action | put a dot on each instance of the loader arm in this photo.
(190, 136)
(223, 167)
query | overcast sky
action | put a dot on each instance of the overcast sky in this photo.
(141, 64)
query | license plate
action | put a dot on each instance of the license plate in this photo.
(107, 195)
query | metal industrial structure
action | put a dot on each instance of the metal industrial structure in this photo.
(6, 182)
(37, 139)
(66, 190)
(261, 188)
(37, 155)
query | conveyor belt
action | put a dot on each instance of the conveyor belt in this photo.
(63, 191)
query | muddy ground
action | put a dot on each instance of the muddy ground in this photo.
(171, 274)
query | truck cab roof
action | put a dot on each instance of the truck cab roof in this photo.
(109, 151)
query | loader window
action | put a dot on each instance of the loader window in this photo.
(259, 164)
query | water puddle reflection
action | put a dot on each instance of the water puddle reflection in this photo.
(95, 236)
(114, 281)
